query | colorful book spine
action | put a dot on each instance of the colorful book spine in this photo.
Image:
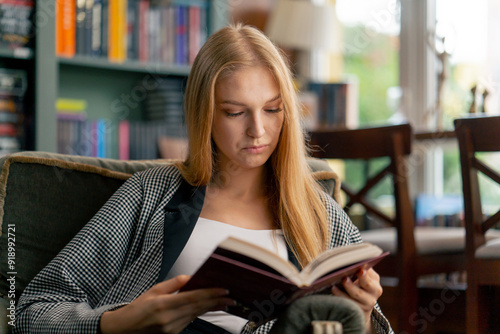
(181, 35)
(104, 28)
(194, 32)
(97, 24)
(143, 30)
(132, 30)
(101, 138)
(65, 28)
(124, 140)
(117, 44)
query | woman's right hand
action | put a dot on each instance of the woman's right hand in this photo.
(158, 310)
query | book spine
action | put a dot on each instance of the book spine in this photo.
(151, 33)
(143, 30)
(164, 33)
(181, 36)
(171, 38)
(59, 28)
(331, 94)
(71, 116)
(16, 23)
(132, 30)
(203, 25)
(67, 23)
(117, 30)
(85, 144)
(96, 41)
(105, 28)
(102, 137)
(89, 5)
(194, 32)
(113, 140)
(124, 140)
(80, 27)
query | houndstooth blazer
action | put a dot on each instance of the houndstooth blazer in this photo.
(118, 255)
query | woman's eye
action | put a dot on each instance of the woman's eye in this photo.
(274, 110)
(233, 114)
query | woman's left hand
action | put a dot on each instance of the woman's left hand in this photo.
(365, 291)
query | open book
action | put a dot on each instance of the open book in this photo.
(263, 283)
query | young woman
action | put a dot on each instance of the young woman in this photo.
(246, 175)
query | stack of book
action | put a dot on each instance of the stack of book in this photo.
(13, 84)
(337, 104)
(16, 27)
(170, 32)
(77, 134)
(166, 103)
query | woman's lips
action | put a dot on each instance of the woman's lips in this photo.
(255, 149)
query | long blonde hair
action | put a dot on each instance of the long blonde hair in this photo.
(295, 200)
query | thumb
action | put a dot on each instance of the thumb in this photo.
(171, 285)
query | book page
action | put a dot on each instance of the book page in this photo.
(284, 267)
(337, 258)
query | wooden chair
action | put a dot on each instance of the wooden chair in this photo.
(415, 251)
(483, 255)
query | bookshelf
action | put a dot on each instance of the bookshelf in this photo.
(105, 85)
(17, 66)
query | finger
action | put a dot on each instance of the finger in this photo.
(362, 297)
(191, 297)
(170, 285)
(194, 302)
(369, 281)
(191, 311)
(336, 291)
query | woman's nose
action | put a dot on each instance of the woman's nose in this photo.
(256, 126)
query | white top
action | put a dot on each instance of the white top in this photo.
(206, 235)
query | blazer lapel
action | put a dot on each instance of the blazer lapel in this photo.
(181, 215)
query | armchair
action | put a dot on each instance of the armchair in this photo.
(46, 198)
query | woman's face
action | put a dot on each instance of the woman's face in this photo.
(248, 117)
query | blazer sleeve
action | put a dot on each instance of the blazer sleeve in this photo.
(62, 298)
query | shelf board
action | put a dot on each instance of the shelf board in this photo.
(131, 66)
(17, 53)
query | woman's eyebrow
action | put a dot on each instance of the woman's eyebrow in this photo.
(277, 97)
(233, 102)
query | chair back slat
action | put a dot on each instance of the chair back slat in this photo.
(490, 222)
(486, 170)
(370, 143)
(484, 132)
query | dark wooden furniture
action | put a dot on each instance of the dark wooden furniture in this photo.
(483, 256)
(409, 259)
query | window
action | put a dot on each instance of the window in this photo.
(371, 52)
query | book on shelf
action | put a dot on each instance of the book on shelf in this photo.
(263, 284)
(166, 32)
(13, 85)
(65, 28)
(16, 24)
(337, 103)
